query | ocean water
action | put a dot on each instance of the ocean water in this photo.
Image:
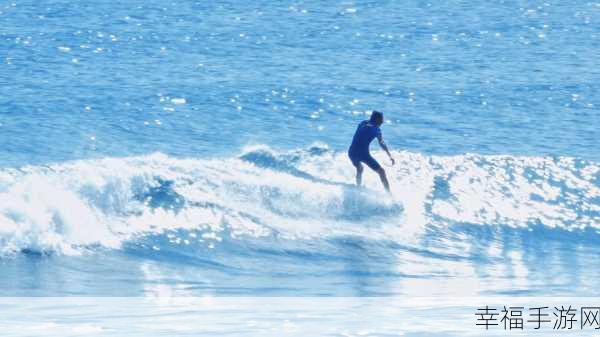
(198, 148)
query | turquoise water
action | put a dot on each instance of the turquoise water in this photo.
(198, 148)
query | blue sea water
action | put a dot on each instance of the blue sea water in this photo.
(197, 148)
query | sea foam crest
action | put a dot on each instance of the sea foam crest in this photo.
(302, 194)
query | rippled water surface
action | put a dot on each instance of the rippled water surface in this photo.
(192, 148)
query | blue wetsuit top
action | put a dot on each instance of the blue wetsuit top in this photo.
(359, 150)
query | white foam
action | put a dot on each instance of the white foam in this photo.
(178, 101)
(299, 194)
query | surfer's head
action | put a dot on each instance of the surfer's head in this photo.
(376, 118)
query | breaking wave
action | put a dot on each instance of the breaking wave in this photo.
(303, 194)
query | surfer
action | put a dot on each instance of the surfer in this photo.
(359, 150)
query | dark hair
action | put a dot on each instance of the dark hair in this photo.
(376, 116)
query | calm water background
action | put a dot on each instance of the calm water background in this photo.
(191, 148)
(92, 79)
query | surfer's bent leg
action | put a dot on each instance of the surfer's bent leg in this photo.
(359, 168)
(383, 178)
(374, 165)
(359, 172)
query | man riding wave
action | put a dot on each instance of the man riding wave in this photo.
(359, 149)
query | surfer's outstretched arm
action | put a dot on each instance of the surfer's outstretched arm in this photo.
(381, 171)
(385, 148)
